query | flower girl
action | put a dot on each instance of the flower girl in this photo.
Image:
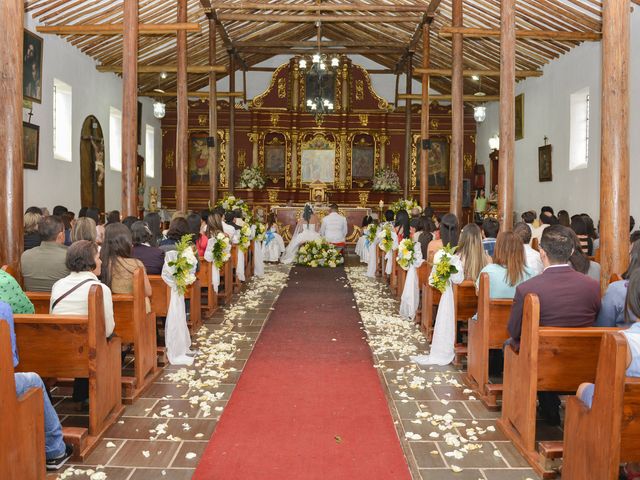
(273, 243)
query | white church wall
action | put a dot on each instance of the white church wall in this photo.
(546, 113)
(57, 182)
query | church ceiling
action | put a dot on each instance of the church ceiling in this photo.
(254, 34)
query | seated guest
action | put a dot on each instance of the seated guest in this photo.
(415, 212)
(37, 210)
(69, 296)
(113, 217)
(509, 268)
(401, 225)
(632, 335)
(151, 257)
(389, 216)
(579, 226)
(612, 313)
(567, 299)
(229, 227)
(449, 234)
(94, 214)
(68, 221)
(84, 229)
(12, 294)
(471, 253)
(31, 235)
(128, 221)
(532, 257)
(564, 219)
(154, 222)
(118, 266)
(177, 229)
(44, 265)
(56, 452)
(490, 228)
(82, 212)
(420, 235)
(580, 262)
(199, 239)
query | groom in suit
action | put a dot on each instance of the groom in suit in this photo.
(334, 227)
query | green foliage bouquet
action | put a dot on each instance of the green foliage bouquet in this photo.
(221, 250)
(245, 237)
(184, 265)
(230, 202)
(260, 231)
(385, 235)
(318, 253)
(443, 268)
(406, 253)
(252, 177)
(371, 232)
(404, 204)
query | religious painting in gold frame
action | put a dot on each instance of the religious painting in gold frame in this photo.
(274, 157)
(317, 160)
(362, 157)
(519, 134)
(438, 162)
(198, 169)
(545, 172)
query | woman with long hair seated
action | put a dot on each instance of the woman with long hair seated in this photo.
(471, 252)
(402, 225)
(31, 235)
(151, 257)
(579, 260)
(449, 231)
(273, 243)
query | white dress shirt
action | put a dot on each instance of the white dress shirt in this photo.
(334, 228)
(77, 302)
(532, 260)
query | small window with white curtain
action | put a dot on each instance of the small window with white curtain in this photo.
(150, 138)
(115, 139)
(579, 130)
(62, 121)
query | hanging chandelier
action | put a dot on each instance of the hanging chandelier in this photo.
(319, 69)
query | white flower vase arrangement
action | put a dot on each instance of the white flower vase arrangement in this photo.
(405, 204)
(386, 180)
(252, 178)
(218, 252)
(410, 258)
(179, 271)
(318, 253)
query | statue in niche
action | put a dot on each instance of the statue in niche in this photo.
(98, 151)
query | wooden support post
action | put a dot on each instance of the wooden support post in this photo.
(407, 128)
(614, 163)
(457, 115)
(11, 193)
(182, 127)
(213, 117)
(424, 119)
(507, 113)
(232, 123)
(130, 109)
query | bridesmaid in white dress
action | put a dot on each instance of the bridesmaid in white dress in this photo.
(362, 249)
(273, 243)
(306, 231)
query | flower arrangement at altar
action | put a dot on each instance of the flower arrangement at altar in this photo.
(406, 253)
(252, 178)
(370, 233)
(404, 204)
(245, 237)
(386, 180)
(385, 235)
(442, 268)
(230, 202)
(318, 253)
(184, 263)
(221, 250)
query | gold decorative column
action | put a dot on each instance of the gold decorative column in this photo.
(295, 90)
(293, 161)
(384, 141)
(343, 160)
(345, 87)
(254, 138)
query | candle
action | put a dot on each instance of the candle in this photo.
(381, 204)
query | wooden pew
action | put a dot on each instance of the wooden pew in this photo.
(423, 272)
(225, 291)
(401, 279)
(466, 306)
(393, 278)
(204, 275)
(379, 263)
(551, 359)
(60, 346)
(615, 277)
(430, 301)
(22, 433)
(598, 439)
(487, 332)
(137, 327)
(162, 294)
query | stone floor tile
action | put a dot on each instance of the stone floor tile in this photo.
(181, 460)
(448, 474)
(162, 474)
(132, 454)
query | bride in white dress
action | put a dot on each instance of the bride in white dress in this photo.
(306, 231)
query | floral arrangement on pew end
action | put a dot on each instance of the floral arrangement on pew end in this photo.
(245, 237)
(442, 268)
(252, 178)
(406, 253)
(184, 264)
(221, 250)
(318, 253)
(229, 202)
(386, 180)
(260, 231)
(405, 204)
(385, 236)
(370, 233)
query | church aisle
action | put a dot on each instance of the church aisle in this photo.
(309, 404)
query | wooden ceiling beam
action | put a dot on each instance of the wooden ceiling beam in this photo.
(326, 7)
(446, 72)
(446, 32)
(191, 94)
(336, 51)
(254, 17)
(204, 69)
(118, 28)
(309, 43)
(466, 98)
(224, 35)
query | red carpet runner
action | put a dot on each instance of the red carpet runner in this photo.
(309, 404)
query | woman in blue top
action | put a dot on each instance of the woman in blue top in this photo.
(509, 268)
(612, 309)
(632, 334)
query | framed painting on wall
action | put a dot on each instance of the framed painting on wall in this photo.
(32, 67)
(520, 117)
(198, 159)
(30, 144)
(438, 160)
(274, 159)
(362, 160)
(545, 173)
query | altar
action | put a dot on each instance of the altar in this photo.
(288, 216)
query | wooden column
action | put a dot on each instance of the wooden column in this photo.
(614, 163)
(424, 119)
(11, 193)
(130, 109)
(407, 127)
(182, 124)
(507, 113)
(213, 116)
(457, 114)
(232, 123)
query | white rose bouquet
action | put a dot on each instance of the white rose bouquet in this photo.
(184, 263)
(252, 177)
(386, 180)
(318, 253)
(406, 253)
(221, 250)
(245, 237)
(405, 204)
(385, 235)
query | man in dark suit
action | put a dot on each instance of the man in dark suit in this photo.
(567, 299)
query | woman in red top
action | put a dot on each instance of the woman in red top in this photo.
(401, 225)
